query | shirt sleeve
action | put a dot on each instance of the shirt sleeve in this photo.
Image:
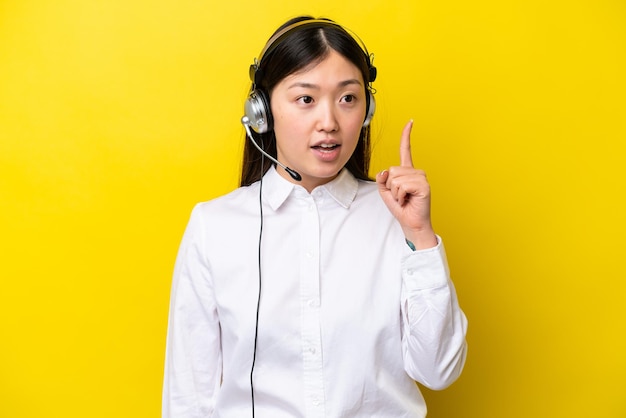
(193, 362)
(434, 326)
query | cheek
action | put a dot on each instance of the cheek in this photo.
(283, 120)
(355, 121)
(354, 127)
(286, 133)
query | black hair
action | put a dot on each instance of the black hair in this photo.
(307, 45)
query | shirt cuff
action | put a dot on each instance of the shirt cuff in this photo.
(425, 269)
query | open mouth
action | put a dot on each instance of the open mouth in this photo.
(326, 147)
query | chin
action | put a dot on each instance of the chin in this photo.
(327, 173)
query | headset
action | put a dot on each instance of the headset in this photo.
(257, 111)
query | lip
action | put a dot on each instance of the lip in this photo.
(328, 141)
(326, 154)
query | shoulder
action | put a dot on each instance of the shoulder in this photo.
(229, 217)
(239, 203)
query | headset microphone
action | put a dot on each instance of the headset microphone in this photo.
(246, 124)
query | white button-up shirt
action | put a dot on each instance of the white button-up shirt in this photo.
(349, 316)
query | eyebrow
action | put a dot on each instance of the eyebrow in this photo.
(316, 87)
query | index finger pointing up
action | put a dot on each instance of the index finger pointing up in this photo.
(406, 160)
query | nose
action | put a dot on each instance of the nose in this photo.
(327, 119)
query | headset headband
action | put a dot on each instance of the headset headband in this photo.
(276, 39)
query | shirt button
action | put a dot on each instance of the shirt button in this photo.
(316, 401)
(312, 350)
(314, 303)
(309, 254)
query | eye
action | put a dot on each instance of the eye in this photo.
(349, 98)
(305, 99)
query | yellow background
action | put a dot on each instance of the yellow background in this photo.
(117, 116)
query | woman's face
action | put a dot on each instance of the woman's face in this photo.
(318, 114)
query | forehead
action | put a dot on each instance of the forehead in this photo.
(331, 67)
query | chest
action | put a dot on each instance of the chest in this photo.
(314, 262)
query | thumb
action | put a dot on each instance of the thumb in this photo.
(381, 179)
(383, 190)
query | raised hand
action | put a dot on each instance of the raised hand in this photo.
(406, 192)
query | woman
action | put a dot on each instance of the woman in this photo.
(312, 290)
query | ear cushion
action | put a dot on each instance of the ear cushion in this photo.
(257, 109)
(371, 108)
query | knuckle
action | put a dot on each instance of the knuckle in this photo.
(393, 171)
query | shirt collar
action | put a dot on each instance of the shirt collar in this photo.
(277, 189)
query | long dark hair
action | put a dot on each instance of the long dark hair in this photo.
(308, 44)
